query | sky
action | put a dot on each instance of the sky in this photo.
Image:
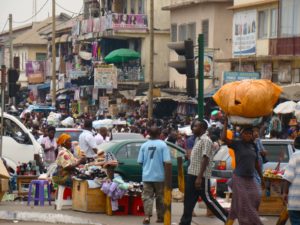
(23, 10)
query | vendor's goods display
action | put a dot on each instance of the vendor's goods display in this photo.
(248, 98)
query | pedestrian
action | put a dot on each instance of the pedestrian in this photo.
(50, 146)
(87, 141)
(291, 194)
(198, 177)
(152, 156)
(102, 136)
(245, 190)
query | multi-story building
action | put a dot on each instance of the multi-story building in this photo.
(266, 40)
(213, 19)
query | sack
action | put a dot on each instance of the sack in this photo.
(248, 98)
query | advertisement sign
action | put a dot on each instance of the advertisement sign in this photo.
(208, 63)
(236, 76)
(129, 21)
(105, 77)
(35, 71)
(103, 102)
(244, 33)
(75, 74)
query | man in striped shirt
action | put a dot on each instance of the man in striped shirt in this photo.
(291, 193)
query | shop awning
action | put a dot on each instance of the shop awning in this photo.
(64, 38)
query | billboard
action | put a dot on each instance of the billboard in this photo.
(236, 76)
(244, 33)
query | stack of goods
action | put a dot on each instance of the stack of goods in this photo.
(54, 119)
(248, 100)
(28, 169)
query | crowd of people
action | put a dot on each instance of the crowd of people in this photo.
(200, 139)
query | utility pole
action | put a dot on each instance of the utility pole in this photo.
(10, 42)
(201, 76)
(3, 84)
(151, 72)
(53, 56)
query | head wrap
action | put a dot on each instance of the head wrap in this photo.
(63, 138)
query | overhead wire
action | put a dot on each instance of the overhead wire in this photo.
(67, 10)
(24, 21)
(4, 26)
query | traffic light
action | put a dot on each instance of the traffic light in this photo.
(186, 66)
(13, 87)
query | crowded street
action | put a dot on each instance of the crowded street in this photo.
(174, 112)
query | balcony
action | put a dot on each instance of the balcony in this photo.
(113, 21)
(284, 46)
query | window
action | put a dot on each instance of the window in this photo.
(132, 6)
(273, 25)
(290, 18)
(182, 34)
(175, 152)
(129, 151)
(277, 150)
(191, 31)
(205, 32)
(173, 32)
(141, 6)
(12, 130)
(263, 24)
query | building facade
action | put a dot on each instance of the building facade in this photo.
(213, 19)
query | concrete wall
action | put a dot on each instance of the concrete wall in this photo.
(220, 32)
(161, 57)
(161, 18)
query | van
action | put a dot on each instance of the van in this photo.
(19, 145)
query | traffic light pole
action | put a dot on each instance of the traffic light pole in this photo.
(3, 78)
(201, 77)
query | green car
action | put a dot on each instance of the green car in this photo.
(127, 151)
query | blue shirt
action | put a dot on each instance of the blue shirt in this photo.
(152, 156)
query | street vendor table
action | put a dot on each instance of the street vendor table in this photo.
(272, 203)
(24, 180)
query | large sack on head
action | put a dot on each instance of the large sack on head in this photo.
(248, 98)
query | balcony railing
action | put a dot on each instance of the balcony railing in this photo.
(285, 46)
(113, 21)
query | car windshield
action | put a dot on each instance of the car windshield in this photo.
(275, 151)
(73, 133)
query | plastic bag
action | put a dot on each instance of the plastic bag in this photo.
(68, 122)
(248, 98)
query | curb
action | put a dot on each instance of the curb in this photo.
(45, 217)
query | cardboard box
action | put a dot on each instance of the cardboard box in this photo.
(3, 171)
(87, 199)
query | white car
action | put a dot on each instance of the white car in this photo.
(19, 145)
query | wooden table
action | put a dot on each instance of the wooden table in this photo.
(272, 205)
(22, 180)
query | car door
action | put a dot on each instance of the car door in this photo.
(17, 146)
(175, 152)
(128, 166)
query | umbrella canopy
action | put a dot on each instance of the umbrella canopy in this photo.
(122, 55)
(285, 107)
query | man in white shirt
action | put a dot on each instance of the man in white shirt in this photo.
(102, 136)
(87, 141)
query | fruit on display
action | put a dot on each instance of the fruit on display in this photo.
(275, 174)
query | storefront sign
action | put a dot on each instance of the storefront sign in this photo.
(103, 102)
(105, 78)
(244, 33)
(236, 76)
(75, 74)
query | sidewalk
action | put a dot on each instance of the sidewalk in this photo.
(21, 212)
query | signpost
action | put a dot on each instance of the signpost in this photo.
(201, 76)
